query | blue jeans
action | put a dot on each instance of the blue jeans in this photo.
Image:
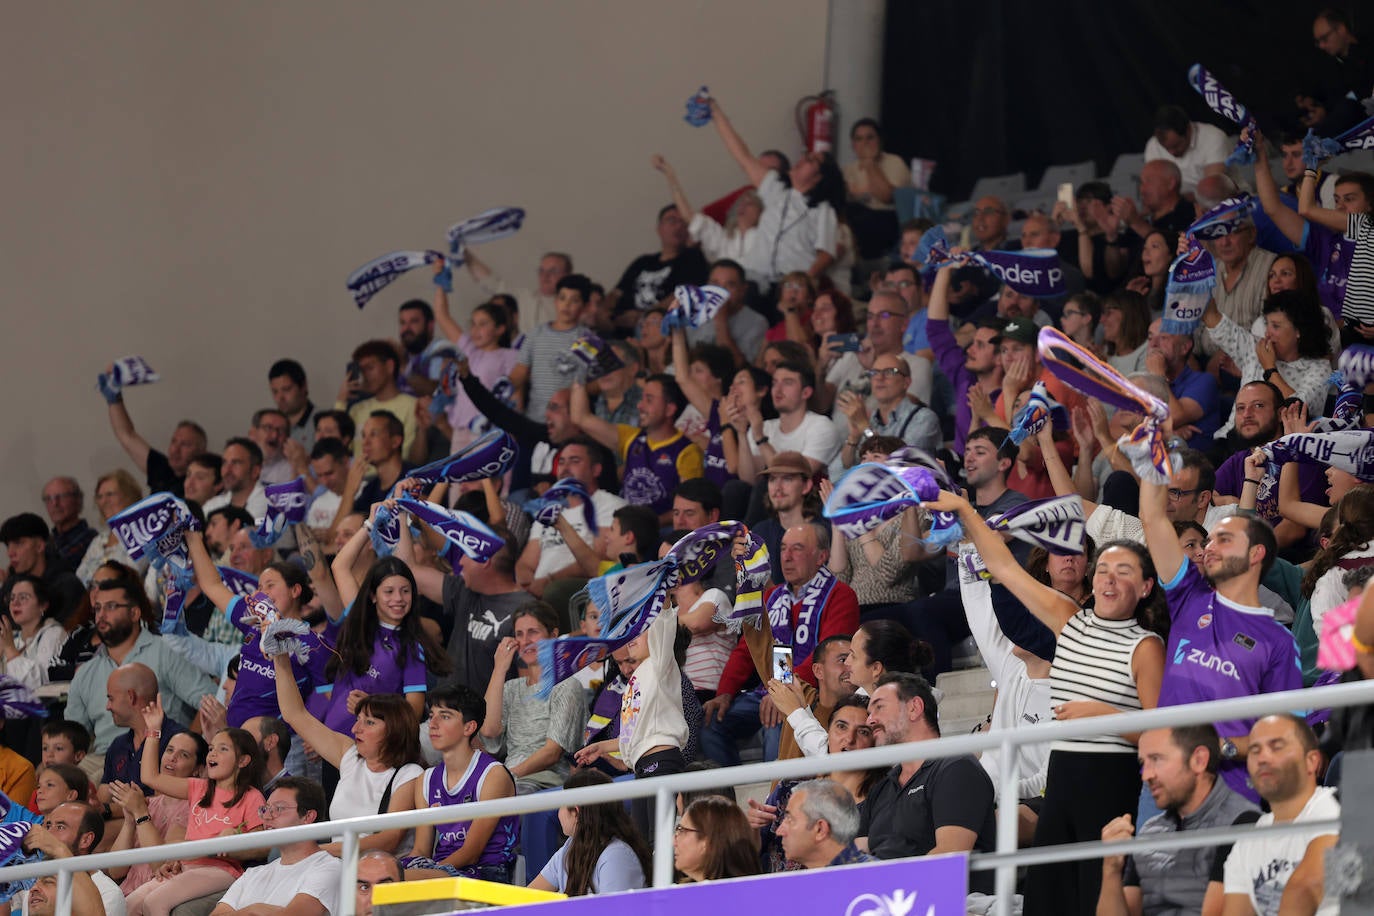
(719, 739)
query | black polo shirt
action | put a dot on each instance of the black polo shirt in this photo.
(900, 820)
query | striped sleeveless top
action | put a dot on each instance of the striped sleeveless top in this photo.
(1092, 661)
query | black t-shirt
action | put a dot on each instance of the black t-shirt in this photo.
(649, 279)
(161, 477)
(479, 623)
(901, 820)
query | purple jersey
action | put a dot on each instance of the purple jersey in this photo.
(653, 472)
(1311, 482)
(255, 692)
(388, 673)
(449, 838)
(717, 471)
(1219, 650)
(1330, 254)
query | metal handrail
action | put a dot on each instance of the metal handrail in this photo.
(664, 789)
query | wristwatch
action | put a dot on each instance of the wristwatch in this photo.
(1273, 370)
(1229, 751)
(141, 820)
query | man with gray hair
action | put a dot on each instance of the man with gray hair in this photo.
(71, 534)
(820, 824)
(618, 398)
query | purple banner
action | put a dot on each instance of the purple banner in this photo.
(487, 226)
(597, 357)
(379, 273)
(12, 853)
(156, 527)
(924, 886)
(1356, 365)
(490, 456)
(1220, 100)
(1034, 272)
(464, 531)
(18, 701)
(1350, 450)
(1055, 524)
(871, 493)
(286, 505)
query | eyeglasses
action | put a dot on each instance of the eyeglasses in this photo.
(900, 284)
(274, 810)
(989, 211)
(884, 315)
(794, 285)
(57, 497)
(1175, 494)
(890, 372)
(680, 829)
(111, 606)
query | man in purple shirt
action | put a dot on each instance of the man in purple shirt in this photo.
(978, 365)
(1222, 642)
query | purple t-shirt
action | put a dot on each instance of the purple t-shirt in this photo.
(387, 674)
(449, 838)
(1311, 482)
(255, 692)
(1219, 650)
(1330, 254)
(1200, 387)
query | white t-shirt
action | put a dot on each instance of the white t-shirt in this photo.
(256, 505)
(1260, 868)
(815, 437)
(323, 509)
(554, 553)
(360, 790)
(1209, 145)
(790, 233)
(707, 653)
(275, 883)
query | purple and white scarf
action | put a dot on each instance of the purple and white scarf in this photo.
(1034, 272)
(1220, 100)
(18, 701)
(546, 509)
(1040, 409)
(753, 574)
(1056, 524)
(1226, 218)
(1349, 450)
(243, 584)
(694, 307)
(699, 108)
(12, 837)
(871, 493)
(595, 356)
(490, 456)
(278, 635)
(156, 527)
(1081, 370)
(1354, 371)
(1192, 277)
(487, 226)
(128, 370)
(286, 505)
(463, 531)
(806, 633)
(1316, 150)
(379, 273)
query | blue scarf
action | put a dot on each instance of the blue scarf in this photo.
(1230, 216)
(1316, 150)
(463, 531)
(128, 370)
(693, 307)
(156, 527)
(1055, 524)
(379, 273)
(1192, 277)
(550, 506)
(286, 505)
(699, 108)
(487, 226)
(1224, 103)
(1039, 410)
(490, 456)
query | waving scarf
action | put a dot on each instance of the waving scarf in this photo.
(1226, 218)
(594, 357)
(156, 527)
(630, 599)
(128, 370)
(1192, 276)
(1349, 450)
(1354, 371)
(286, 505)
(1081, 370)
(1034, 272)
(487, 226)
(693, 307)
(490, 456)
(379, 273)
(1316, 150)
(1224, 103)
(699, 108)
(243, 584)
(12, 853)
(463, 531)
(871, 493)
(279, 635)
(1055, 524)
(1040, 409)
(550, 506)
(18, 701)
(753, 573)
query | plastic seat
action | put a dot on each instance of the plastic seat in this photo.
(1006, 187)
(1124, 177)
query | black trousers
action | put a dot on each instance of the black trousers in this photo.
(660, 763)
(1083, 791)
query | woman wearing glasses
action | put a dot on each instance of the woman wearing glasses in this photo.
(714, 840)
(29, 638)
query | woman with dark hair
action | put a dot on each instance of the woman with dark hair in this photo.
(29, 638)
(1066, 573)
(831, 315)
(799, 227)
(486, 346)
(604, 854)
(713, 840)
(536, 735)
(880, 646)
(1156, 255)
(1079, 318)
(160, 819)
(1351, 546)
(381, 647)
(1292, 271)
(1294, 355)
(1109, 658)
(869, 182)
(1125, 330)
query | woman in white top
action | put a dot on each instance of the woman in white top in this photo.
(377, 764)
(716, 241)
(798, 228)
(29, 638)
(1126, 330)
(114, 492)
(870, 181)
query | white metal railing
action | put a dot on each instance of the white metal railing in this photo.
(1005, 860)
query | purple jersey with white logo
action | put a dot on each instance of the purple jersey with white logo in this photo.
(393, 669)
(1219, 650)
(255, 692)
(652, 472)
(449, 838)
(1330, 254)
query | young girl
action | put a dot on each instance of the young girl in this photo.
(487, 346)
(604, 854)
(707, 653)
(59, 783)
(160, 819)
(224, 803)
(382, 646)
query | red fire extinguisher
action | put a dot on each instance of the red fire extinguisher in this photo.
(816, 122)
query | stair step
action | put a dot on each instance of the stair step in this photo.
(964, 706)
(969, 680)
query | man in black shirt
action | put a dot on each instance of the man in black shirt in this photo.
(165, 472)
(924, 807)
(650, 278)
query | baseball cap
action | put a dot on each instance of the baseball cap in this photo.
(1022, 330)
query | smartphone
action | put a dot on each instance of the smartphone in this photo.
(782, 664)
(355, 373)
(849, 343)
(1065, 196)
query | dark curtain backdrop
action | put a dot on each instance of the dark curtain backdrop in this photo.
(991, 87)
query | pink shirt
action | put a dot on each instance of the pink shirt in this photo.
(205, 823)
(489, 366)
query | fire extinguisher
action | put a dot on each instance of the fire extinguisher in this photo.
(816, 122)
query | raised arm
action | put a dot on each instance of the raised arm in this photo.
(342, 567)
(1287, 219)
(1052, 608)
(1159, 531)
(1059, 475)
(736, 147)
(134, 445)
(207, 576)
(697, 396)
(1309, 209)
(608, 434)
(150, 762)
(684, 206)
(447, 326)
(330, 745)
(313, 559)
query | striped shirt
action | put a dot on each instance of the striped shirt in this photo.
(1359, 288)
(1092, 661)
